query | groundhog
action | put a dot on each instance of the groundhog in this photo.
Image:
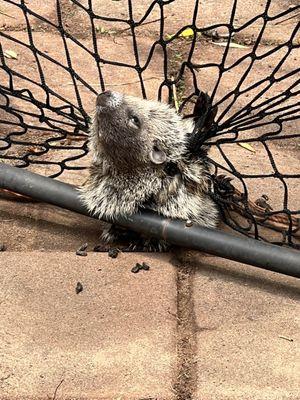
(141, 159)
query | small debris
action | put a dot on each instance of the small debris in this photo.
(83, 247)
(139, 266)
(286, 338)
(113, 252)
(81, 253)
(56, 389)
(2, 247)
(102, 30)
(188, 32)
(82, 250)
(188, 223)
(10, 54)
(4, 13)
(145, 266)
(231, 44)
(247, 146)
(175, 95)
(79, 288)
(263, 202)
(136, 268)
(216, 34)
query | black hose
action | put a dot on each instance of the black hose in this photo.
(212, 241)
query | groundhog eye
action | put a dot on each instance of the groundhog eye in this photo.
(135, 120)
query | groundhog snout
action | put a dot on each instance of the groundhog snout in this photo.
(108, 100)
(103, 98)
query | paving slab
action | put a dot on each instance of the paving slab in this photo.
(179, 13)
(247, 330)
(114, 340)
(13, 17)
(28, 226)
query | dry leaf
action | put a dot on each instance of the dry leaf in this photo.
(247, 146)
(231, 44)
(10, 54)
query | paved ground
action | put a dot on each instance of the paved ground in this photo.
(193, 326)
(245, 323)
(115, 339)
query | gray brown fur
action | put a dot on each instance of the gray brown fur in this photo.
(123, 179)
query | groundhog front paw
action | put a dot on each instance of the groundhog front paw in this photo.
(148, 245)
(118, 235)
(130, 241)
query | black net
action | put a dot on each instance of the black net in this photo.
(56, 56)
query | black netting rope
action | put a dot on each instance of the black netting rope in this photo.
(37, 121)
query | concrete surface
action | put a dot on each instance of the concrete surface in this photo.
(247, 332)
(177, 14)
(27, 226)
(192, 327)
(115, 339)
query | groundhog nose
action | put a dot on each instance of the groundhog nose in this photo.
(103, 98)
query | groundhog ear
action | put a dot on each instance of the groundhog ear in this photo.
(157, 156)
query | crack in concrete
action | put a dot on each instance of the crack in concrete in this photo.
(186, 376)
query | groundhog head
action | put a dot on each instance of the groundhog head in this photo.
(130, 132)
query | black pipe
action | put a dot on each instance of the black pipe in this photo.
(244, 250)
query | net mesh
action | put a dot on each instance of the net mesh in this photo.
(54, 62)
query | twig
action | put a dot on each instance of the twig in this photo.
(144, 23)
(137, 81)
(57, 387)
(287, 19)
(7, 15)
(278, 222)
(5, 377)
(114, 84)
(175, 95)
(286, 338)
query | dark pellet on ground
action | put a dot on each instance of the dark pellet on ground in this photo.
(145, 266)
(79, 288)
(113, 253)
(81, 253)
(2, 247)
(83, 247)
(136, 268)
